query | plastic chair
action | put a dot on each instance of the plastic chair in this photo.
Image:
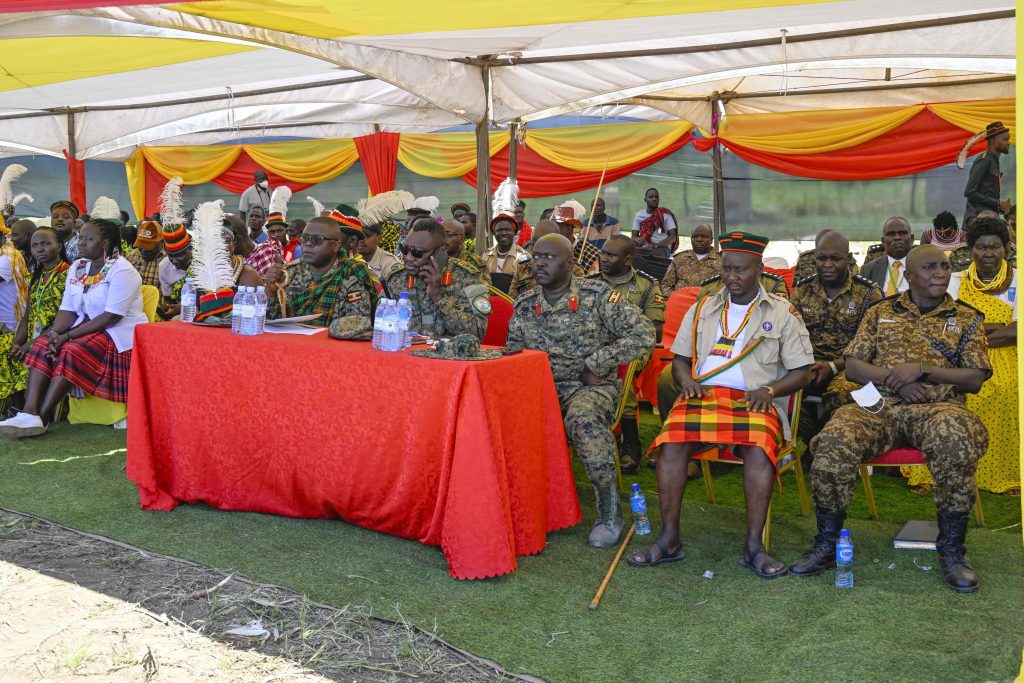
(502, 309)
(99, 411)
(786, 274)
(626, 374)
(788, 460)
(900, 457)
(678, 305)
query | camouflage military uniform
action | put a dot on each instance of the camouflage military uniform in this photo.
(894, 331)
(806, 268)
(470, 258)
(641, 290)
(523, 281)
(590, 326)
(875, 251)
(463, 308)
(832, 325)
(356, 295)
(686, 270)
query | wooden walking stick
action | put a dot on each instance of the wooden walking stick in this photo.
(611, 570)
(593, 207)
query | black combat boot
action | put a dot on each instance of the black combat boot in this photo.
(630, 453)
(822, 554)
(957, 571)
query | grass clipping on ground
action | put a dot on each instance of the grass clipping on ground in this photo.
(665, 623)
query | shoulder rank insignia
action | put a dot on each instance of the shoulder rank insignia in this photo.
(614, 297)
(659, 299)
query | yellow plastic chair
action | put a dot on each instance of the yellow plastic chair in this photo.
(788, 460)
(620, 408)
(98, 411)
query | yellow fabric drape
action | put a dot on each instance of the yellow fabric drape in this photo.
(195, 164)
(305, 161)
(135, 170)
(813, 132)
(587, 148)
(974, 116)
(444, 155)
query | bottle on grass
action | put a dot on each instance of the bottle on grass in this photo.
(844, 560)
(638, 504)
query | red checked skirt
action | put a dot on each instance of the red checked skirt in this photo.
(720, 419)
(91, 363)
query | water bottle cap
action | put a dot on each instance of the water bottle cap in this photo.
(404, 295)
(261, 288)
(845, 533)
(636, 487)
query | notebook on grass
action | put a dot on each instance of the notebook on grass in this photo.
(916, 535)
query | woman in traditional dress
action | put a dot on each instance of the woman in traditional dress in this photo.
(90, 342)
(655, 228)
(45, 294)
(990, 285)
(944, 233)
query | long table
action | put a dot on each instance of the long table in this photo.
(470, 456)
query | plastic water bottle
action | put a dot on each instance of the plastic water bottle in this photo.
(392, 338)
(236, 311)
(261, 309)
(404, 318)
(378, 323)
(844, 560)
(188, 302)
(638, 504)
(249, 312)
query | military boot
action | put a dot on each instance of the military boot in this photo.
(956, 570)
(608, 526)
(629, 458)
(822, 554)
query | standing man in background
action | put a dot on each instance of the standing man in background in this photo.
(983, 185)
(257, 194)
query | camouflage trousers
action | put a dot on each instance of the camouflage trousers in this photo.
(951, 438)
(587, 414)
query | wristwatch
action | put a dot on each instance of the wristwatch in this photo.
(926, 369)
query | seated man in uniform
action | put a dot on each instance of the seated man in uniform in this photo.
(448, 296)
(455, 243)
(695, 265)
(641, 290)
(321, 281)
(739, 354)
(923, 351)
(588, 330)
(523, 280)
(832, 303)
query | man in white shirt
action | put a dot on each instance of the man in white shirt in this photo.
(257, 194)
(889, 272)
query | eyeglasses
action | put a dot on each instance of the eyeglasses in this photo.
(416, 253)
(317, 240)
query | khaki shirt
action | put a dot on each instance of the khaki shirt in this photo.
(786, 344)
(832, 324)
(515, 256)
(686, 270)
(640, 289)
(382, 263)
(895, 331)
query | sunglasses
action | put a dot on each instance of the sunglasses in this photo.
(416, 253)
(317, 240)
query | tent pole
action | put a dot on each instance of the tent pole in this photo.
(483, 168)
(716, 162)
(513, 150)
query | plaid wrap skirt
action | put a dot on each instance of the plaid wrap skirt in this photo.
(720, 419)
(91, 363)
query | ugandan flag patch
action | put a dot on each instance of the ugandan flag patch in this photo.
(615, 297)
(354, 297)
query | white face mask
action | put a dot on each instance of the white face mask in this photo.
(265, 183)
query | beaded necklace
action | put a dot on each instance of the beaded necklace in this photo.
(727, 342)
(82, 272)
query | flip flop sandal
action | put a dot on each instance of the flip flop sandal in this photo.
(666, 556)
(744, 562)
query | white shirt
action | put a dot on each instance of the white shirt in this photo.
(902, 285)
(119, 292)
(733, 376)
(8, 294)
(169, 275)
(1009, 296)
(254, 195)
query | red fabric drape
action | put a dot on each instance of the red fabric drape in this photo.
(922, 143)
(378, 154)
(236, 179)
(448, 464)
(76, 182)
(538, 177)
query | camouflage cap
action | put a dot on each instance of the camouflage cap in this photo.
(462, 347)
(352, 327)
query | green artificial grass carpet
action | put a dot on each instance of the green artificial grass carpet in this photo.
(667, 623)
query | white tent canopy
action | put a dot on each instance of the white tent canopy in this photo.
(260, 80)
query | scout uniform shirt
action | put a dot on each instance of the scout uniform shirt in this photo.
(640, 289)
(590, 326)
(775, 341)
(463, 308)
(510, 262)
(895, 331)
(686, 270)
(832, 324)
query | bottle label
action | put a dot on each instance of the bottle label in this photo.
(247, 311)
(844, 554)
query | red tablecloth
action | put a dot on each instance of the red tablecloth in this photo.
(470, 456)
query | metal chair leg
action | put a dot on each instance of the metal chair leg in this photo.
(869, 492)
(766, 534)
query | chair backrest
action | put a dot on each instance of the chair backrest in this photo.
(899, 456)
(678, 305)
(501, 282)
(626, 374)
(150, 299)
(787, 274)
(497, 322)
